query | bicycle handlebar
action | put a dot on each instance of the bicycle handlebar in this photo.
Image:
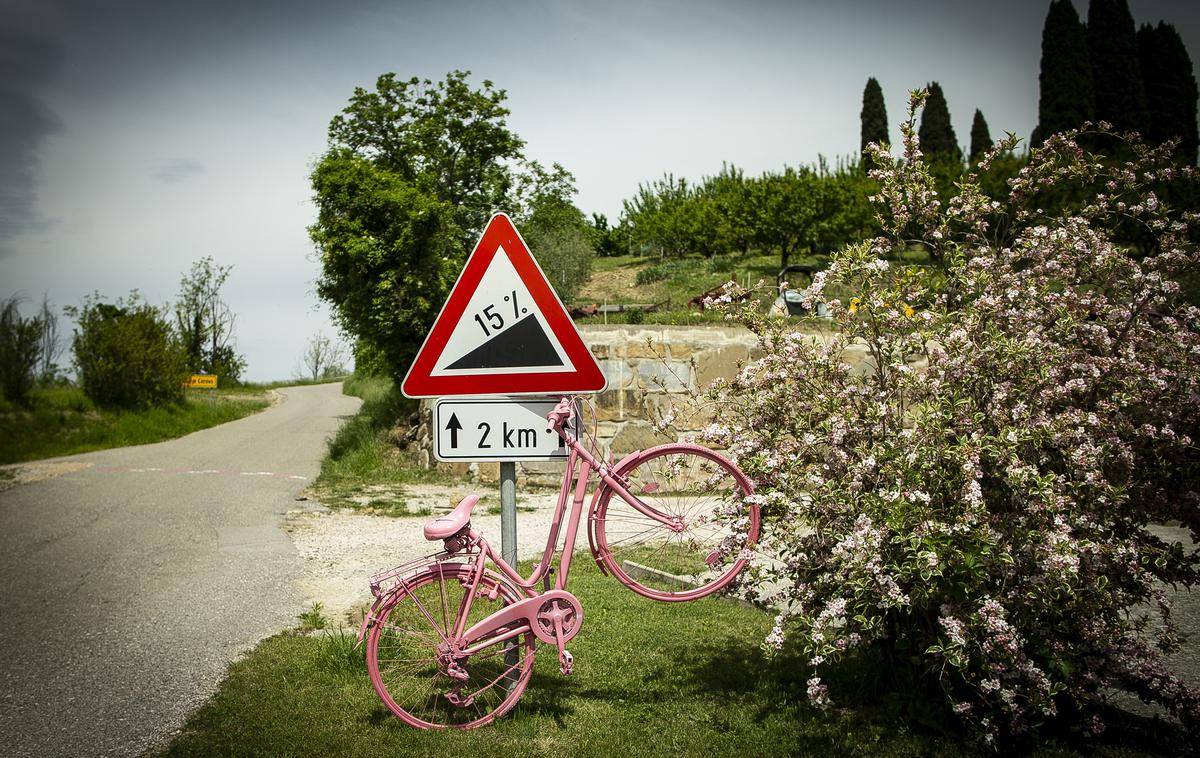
(561, 412)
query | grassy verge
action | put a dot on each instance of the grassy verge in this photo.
(650, 679)
(62, 421)
(365, 469)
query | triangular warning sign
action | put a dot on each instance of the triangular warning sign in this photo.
(503, 330)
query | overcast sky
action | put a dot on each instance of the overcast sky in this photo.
(138, 137)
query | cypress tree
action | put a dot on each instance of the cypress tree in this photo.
(981, 139)
(1170, 88)
(1116, 75)
(873, 118)
(1065, 82)
(936, 132)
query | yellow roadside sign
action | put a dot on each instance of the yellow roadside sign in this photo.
(208, 381)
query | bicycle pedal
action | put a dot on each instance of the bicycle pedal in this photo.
(454, 671)
(566, 662)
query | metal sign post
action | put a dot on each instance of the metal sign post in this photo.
(508, 512)
(508, 547)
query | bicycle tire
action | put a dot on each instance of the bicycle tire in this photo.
(707, 492)
(402, 652)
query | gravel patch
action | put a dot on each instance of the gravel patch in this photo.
(342, 549)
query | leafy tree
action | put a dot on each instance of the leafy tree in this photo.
(662, 217)
(846, 213)
(732, 217)
(561, 243)
(937, 133)
(1116, 73)
(873, 118)
(981, 138)
(608, 239)
(205, 322)
(558, 234)
(789, 204)
(127, 354)
(1170, 88)
(412, 173)
(1065, 82)
(20, 350)
(369, 360)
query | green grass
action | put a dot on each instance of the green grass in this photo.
(650, 679)
(361, 457)
(62, 421)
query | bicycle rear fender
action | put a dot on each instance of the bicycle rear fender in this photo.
(369, 618)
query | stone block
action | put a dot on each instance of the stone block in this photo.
(539, 473)
(722, 363)
(692, 413)
(664, 375)
(487, 473)
(617, 405)
(606, 430)
(616, 373)
(646, 349)
(681, 350)
(636, 435)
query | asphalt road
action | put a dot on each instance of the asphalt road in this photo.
(129, 585)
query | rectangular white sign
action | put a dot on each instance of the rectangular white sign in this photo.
(495, 429)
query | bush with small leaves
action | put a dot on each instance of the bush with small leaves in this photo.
(971, 502)
(127, 354)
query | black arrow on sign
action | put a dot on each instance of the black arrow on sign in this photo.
(453, 426)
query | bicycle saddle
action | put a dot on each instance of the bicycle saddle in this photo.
(453, 522)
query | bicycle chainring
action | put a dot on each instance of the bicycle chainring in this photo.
(559, 612)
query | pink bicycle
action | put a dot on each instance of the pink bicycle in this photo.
(450, 641)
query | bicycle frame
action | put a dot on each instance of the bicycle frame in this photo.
(520, 617)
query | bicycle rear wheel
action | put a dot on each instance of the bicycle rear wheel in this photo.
(707, 493)
(407, 660)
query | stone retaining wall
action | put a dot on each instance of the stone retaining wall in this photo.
(650, 371)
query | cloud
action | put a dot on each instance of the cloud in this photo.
(29, 56)
(178, 170)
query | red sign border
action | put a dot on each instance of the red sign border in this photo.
(585, 378)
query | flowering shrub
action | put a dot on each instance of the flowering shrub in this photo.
(973, 498)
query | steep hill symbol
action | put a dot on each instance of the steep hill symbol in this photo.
(522, 345)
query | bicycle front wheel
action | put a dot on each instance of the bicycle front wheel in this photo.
(714, 526)
(411, 669)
